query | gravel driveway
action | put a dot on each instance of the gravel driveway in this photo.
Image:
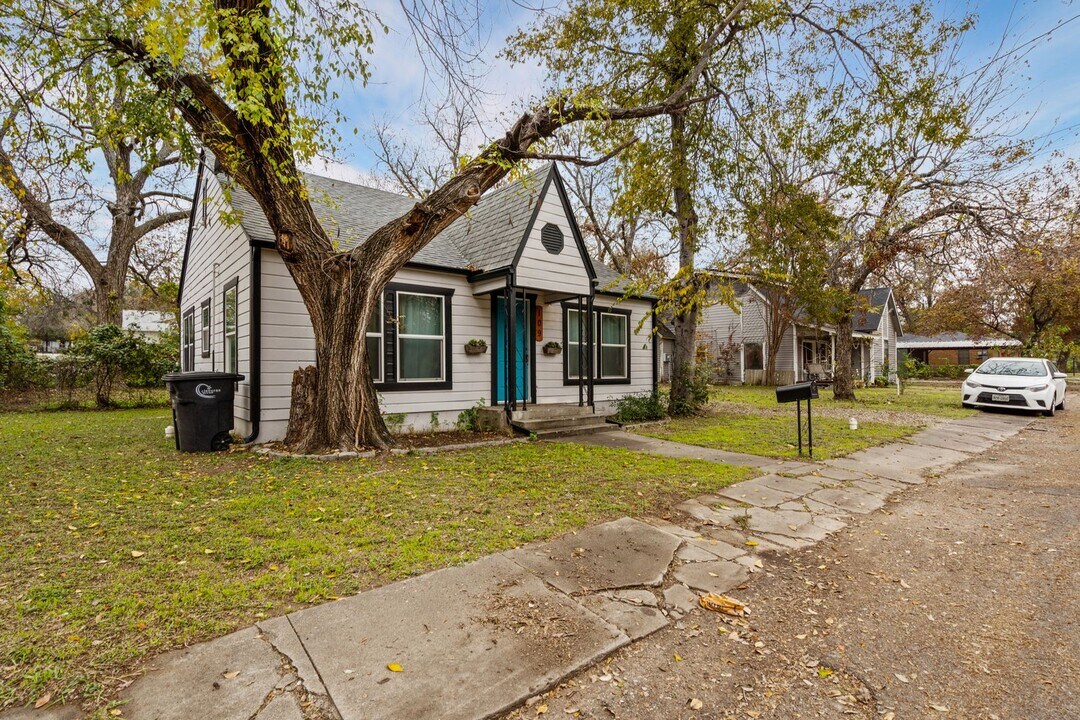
(960, 599)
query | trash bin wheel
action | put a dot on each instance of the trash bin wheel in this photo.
(221, 441)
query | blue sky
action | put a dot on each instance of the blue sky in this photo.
(1048, 86)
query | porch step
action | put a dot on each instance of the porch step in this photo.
(594, 427)
(549, 420)
(556, 423)
(544, 411)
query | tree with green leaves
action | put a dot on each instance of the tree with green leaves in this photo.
(637, 52)
(787, 234)
(252, 80)
(92, 164)
(687, 166)
(909, 162)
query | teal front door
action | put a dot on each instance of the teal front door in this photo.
(522, 354)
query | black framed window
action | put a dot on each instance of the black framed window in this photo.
(205, 316)
(375, 334)
(416, 342)
(421, 337)
(614, 346)
(610, 341)
(230, 329)
(575, 336)
(187, 341)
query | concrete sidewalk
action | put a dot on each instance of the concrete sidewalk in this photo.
(476, 640)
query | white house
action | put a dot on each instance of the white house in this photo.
(241, 310)
(151, 324)
(744, 328)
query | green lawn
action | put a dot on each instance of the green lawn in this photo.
(775, 435)
(113, 546)
(927, 400)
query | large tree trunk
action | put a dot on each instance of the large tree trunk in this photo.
(334, 402)
(843, 379)
(109, 295)
(686, 316)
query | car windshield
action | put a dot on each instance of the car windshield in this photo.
(1016, 368)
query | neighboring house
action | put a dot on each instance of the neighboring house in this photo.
(745, 326)
(148, 323)
(242, 311)
(879, 319)
(955, 348)
(667, 349)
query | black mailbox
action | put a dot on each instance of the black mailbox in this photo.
(798, 391)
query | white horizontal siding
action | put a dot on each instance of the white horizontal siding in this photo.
(538, 269)
(288, 344)
(217, 254)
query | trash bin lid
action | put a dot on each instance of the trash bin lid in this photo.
(202, 375)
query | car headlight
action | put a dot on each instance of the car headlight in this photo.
(1037, 388)
(972, 384)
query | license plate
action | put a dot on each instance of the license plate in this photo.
(999, 398)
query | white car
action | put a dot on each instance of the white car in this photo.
(1021, 383)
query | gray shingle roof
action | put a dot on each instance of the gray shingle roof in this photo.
(868, 319)
(486, 238)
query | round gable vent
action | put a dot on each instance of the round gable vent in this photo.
(552, 238)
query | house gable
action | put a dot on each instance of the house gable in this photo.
(551, 254)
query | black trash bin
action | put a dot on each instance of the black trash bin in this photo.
(202, 405)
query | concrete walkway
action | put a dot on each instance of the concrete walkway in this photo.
(642, 443)
(473, 641)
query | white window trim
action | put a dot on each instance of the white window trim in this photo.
(206, 333)
(235, 334)
(570, 343)
(625, 345)
(381, 334)
(399, 336)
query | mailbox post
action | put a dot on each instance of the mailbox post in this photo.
(797, 393)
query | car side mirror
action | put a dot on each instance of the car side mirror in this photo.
(968, 371)
(1060, 376)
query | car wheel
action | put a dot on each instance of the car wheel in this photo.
(1050, 412)
(1061, 405)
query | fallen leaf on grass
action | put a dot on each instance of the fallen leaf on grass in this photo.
(696, 704)
(824, 672)
(541, 709)
(394, 667)
(137, 553)
(231, 674)
(43, 701)
(752, 543)
(901, 678)
(677, 658)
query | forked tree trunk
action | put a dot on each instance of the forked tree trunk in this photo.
(843, 379)
(109, 295)
(334, 402)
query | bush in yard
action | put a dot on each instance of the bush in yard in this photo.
(640, 407)
(19, 366)
(110, 355)
(469, 420)
(698, 391)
